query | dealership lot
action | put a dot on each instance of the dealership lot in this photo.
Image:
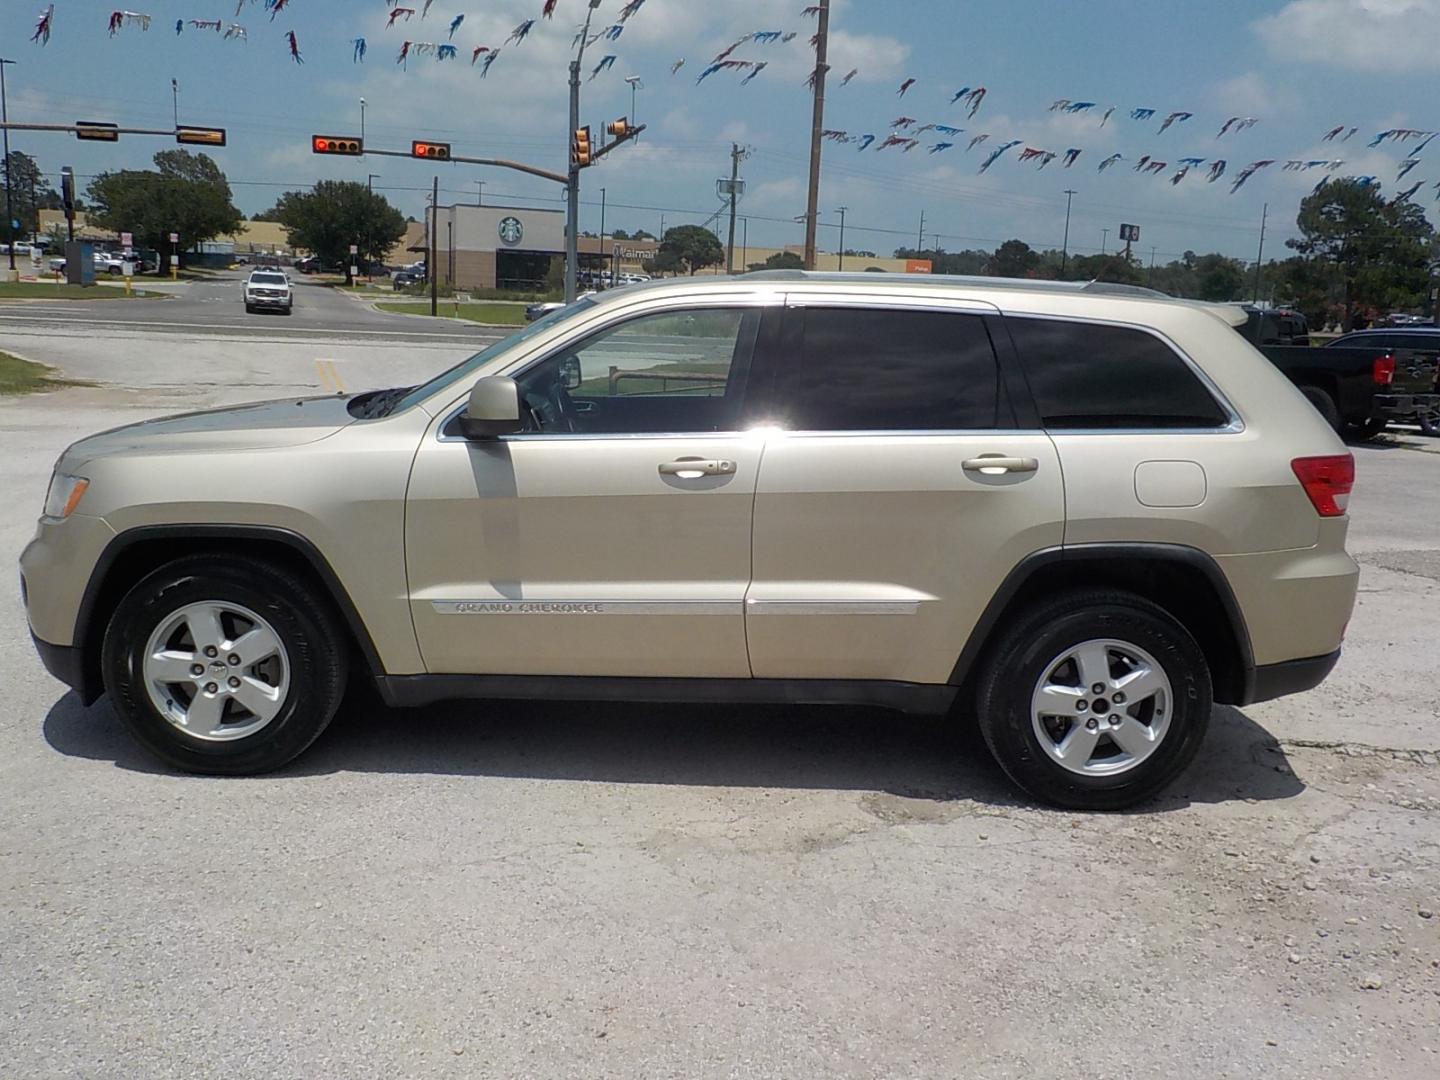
(561, 890)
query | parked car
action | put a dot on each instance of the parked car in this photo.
(535, 312)
(1077, 516)
(109, 262)
(1415, 349)
(1356, 382)
(309, 265)
(406, 279)
(269, 290)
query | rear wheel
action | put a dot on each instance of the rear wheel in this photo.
(226, 666)
(1324, 404)
(1095, 700)
(1368, 429)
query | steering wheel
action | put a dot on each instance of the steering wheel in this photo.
(551, 408)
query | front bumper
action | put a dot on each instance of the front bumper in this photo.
(67, 663)
(279, 302)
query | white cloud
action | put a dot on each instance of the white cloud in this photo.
(1251, 94)
(1366, 35)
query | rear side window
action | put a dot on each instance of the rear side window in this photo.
(1085, 375)
(873, 369)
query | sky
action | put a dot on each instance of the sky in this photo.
(1300, 67)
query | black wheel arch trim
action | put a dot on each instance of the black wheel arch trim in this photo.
(1120, 552)
(88, 684)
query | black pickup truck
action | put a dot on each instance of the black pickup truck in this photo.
(1359, 382)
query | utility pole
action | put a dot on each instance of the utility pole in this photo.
(841, 212)
(479, 192)
(9, 207)
(735, 155)
(602, 235)
(175, 95)
(1104, 238)
(1065, 245)
(744, 241)
(430, 265)
(1260, 255)
(920, 243)
(1151, 279)
(817, 125)
(572, 188)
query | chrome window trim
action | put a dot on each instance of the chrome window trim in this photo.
(1235, 424)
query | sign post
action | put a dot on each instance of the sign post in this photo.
(1131, 235)
(174, 257)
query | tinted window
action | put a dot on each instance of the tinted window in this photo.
(1088, 376)
(674, 371)
(876, 370)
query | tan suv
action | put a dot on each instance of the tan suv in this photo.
(1082, 516)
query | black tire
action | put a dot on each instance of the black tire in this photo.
(249, 309)
(1039, 634)
(302, 619)
(1325, 405)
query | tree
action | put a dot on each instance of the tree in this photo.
(1218, 277)
(781, 260)
(1013, 259)
(29, 192)
(334, 214)
(186, 194)
(641, 234)
(1378, 250)
(945, 262)
(1113, 268)
(273, 214)
(619, 234)
(692, 247)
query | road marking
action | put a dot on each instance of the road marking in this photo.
(329, 375)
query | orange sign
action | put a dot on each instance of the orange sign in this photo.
(918, 266)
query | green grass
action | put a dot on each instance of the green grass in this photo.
(492, 314)
(26, 377)
(43, 290)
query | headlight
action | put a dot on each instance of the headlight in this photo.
(64, 495)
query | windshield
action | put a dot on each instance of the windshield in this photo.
(480, 359)
(267, 279)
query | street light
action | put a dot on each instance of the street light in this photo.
(362, 119)
(572, 186)
(635, 84)
(1065, 246)
(9, 206)
(841, 212)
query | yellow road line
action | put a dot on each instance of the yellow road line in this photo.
(329, 375)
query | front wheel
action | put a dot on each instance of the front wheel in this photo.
(224, 665)
(1095, 700)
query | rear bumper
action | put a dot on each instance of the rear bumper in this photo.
(1400, 406)
(1270, 681)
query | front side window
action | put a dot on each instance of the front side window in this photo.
(669, 372)
(874, 369)
(1086, 375)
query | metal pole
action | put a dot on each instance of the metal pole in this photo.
(1260, 255)
(175, 94)
(1151, 279)
(744, 242)
(450, 249)
(434, 228)
(572, 186)
(370, 179)
(842, 237)
(920, 244)
(479, 192)
(817, 125)
(5, 119)
(1065, 246)
(734, 179)
(362, 121)
(1104, 236)
(602, 236)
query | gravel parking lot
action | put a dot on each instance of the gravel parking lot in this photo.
(644, 891)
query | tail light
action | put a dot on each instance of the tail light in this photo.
(1384, 370)
(1327, 481)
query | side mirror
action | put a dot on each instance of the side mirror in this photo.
(494, 409)
(570, 373)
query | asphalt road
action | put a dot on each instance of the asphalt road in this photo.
(581, 890)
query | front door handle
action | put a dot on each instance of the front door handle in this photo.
(695, 468)
(999, 464)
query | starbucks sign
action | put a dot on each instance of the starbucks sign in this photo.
(511, 231)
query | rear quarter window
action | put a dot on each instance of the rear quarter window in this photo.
(1087, 376)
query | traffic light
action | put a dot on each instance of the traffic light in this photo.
(198, 136)
(619, 129)
(581, 150)
(96, 132)
(431, 151)
(347, 145)
(67, 187)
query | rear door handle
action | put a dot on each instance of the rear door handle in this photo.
(999, 464)
(694, 468)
